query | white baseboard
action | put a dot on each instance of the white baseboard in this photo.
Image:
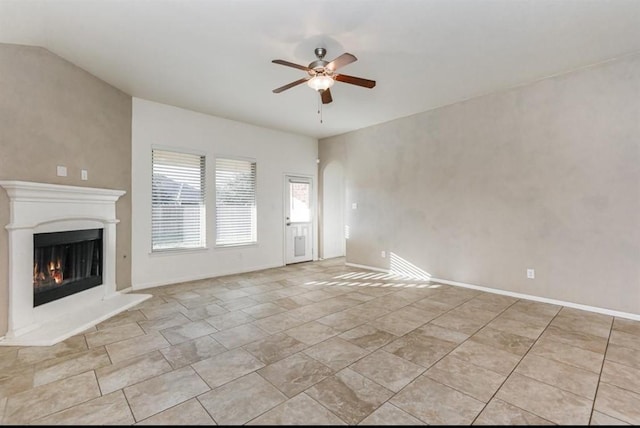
(595, 309)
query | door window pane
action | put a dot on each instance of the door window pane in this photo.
(300, 202)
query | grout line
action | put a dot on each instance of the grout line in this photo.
(604, 358)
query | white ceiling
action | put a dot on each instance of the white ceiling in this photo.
(215, 56)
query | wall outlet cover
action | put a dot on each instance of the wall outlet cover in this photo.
(531, 273)
(61, 171)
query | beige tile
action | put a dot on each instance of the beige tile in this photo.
(598, 418)
(578, 381)
(35, 354)
(628, 340)
(502, 362)
(228, 295)
(625, 356)
(621, 376)
(442, 333)
(459, 323)
(158, 324)
(59, 368)
(111, 409)
(420, 349)
(627, 326)
(162, 311)
(491, 302)
(240, 335)
(264, 310)
(227, 366)
(349, 395)
(299, 410)
(241, 400)
(162, 392)
(463, 376)
(437, 404)
(292, 302)
(336, 353)
(294, 374)
(579, 340)
(343, 321)
(135, 346)
(44, 400)
(402, 321)
(188, 413)
(389, 370)
(130, 372)
(113, 334)
(583, 322)
(20, 381)
(192, 351)
(515, 326)
(503, 340)
(185, 332)
(498, 412)
(230, 320)
(312, 332)
(239, 303)
(125, 317)
(277, 323)
(548, 402)
(568, 354)
(208, 311)
(274, 348)
(388, 414)
(368, 337)
(618, 403)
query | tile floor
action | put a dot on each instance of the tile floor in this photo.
(320, 343)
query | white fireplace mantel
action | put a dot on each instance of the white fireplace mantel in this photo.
(41, 208)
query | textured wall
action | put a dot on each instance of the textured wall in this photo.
(544, 176)
(54, 113)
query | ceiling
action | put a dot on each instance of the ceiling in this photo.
(215, 56)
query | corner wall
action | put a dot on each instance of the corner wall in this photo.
(277, 153)
(54, 113)
(544, 176)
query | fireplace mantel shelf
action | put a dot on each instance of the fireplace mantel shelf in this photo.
(42, 208)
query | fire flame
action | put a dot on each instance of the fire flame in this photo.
(53, 271)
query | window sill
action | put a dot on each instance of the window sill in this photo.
(176, 251)
(232, 246)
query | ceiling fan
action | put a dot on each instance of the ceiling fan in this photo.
(322, 74)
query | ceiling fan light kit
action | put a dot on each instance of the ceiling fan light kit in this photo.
(322, 74)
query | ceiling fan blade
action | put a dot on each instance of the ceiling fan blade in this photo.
(341, 61)
(290, 85)
(355, 80)
(290, 64)
(326, 96)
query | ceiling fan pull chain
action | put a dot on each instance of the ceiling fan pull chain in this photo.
(320, 105)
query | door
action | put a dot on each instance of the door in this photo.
(298, 219)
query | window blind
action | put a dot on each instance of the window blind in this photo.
(177, 200)
(235, 202)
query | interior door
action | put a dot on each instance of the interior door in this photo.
(298, 220)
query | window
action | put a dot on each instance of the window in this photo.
(235, 202)
(177, 200)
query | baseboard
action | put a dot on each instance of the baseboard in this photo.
(125, 290)
(355, 265)
(588, 308)
(200, 277)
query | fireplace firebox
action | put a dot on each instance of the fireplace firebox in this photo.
(65, 263)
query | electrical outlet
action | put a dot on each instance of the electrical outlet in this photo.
(84, 174)
(354, 206)
(61, 171)
(383, 254)
(531, 273)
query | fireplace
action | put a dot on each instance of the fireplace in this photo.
(62, 262)
(65, 263)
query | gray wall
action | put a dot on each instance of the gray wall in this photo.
(543, 176)
(54, 113)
